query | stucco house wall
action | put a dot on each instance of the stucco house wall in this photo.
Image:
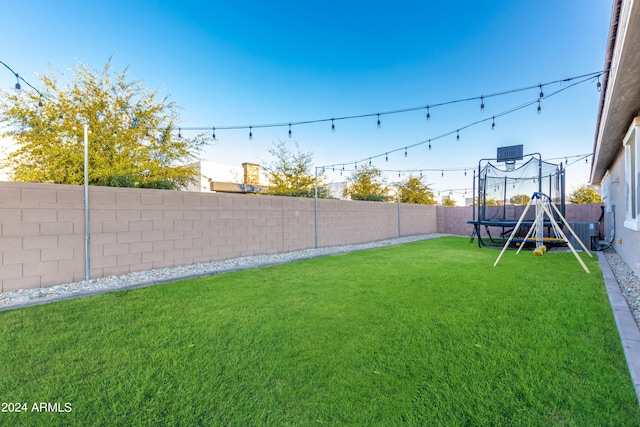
(618, 123)
(626, 242)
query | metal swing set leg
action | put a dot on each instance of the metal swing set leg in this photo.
(542, 203)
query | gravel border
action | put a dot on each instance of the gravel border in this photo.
(25, 297)
(628, 282)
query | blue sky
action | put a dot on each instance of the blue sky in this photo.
(253, 62)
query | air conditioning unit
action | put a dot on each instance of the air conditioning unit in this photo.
(587, 232)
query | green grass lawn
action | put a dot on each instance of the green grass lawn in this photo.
(428, 333)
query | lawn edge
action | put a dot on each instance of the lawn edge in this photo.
(626, 324)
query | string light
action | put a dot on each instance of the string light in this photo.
(369, 161)
(386, 157)
(584, 77)
(465, 172)
(493, 123)
(333, 127)
(541, 96)
(18, 88)
(458, 135)
(289, 130)
(405, 151)
(378, 121)
(482, 104)
(213, 134)
(599, 85)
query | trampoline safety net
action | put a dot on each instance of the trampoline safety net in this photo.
(503, 191)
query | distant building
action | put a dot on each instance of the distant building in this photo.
(219, 178)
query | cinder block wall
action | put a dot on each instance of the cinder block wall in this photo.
(42, 229)
(453, 220)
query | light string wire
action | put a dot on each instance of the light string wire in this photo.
(583, 77)
(20, 78)
(575, 158)
(457, 131)
(428, 107)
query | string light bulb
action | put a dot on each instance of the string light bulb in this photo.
(379, 121)
(599, 85)
(539, 108)
(428, 114)
(18, 88)
(250, 133)
(429, 145)
(405, 151)
(541, 96)
(179, 133)
(482, 104)
(458, 135)
(493, 123)
(213, 133)
(386, 157)
(40, 104)
(369, 161)
(333, 127)
(289, 130)
(442, 174)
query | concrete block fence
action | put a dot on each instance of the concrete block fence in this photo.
(42, 228)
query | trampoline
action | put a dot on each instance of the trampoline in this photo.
(504, 186)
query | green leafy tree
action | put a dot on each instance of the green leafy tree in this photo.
(367, 183)
(584, 195)
(132, 141)
(520, 199)
(414, 191)
(290, 173)
(493, 202)
(448, 201)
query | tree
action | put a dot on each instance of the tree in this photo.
(366, 183)
(584, 195)
(290, 174)
(520, 199)
(414, 191)
(448, 201)
(132, 140)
